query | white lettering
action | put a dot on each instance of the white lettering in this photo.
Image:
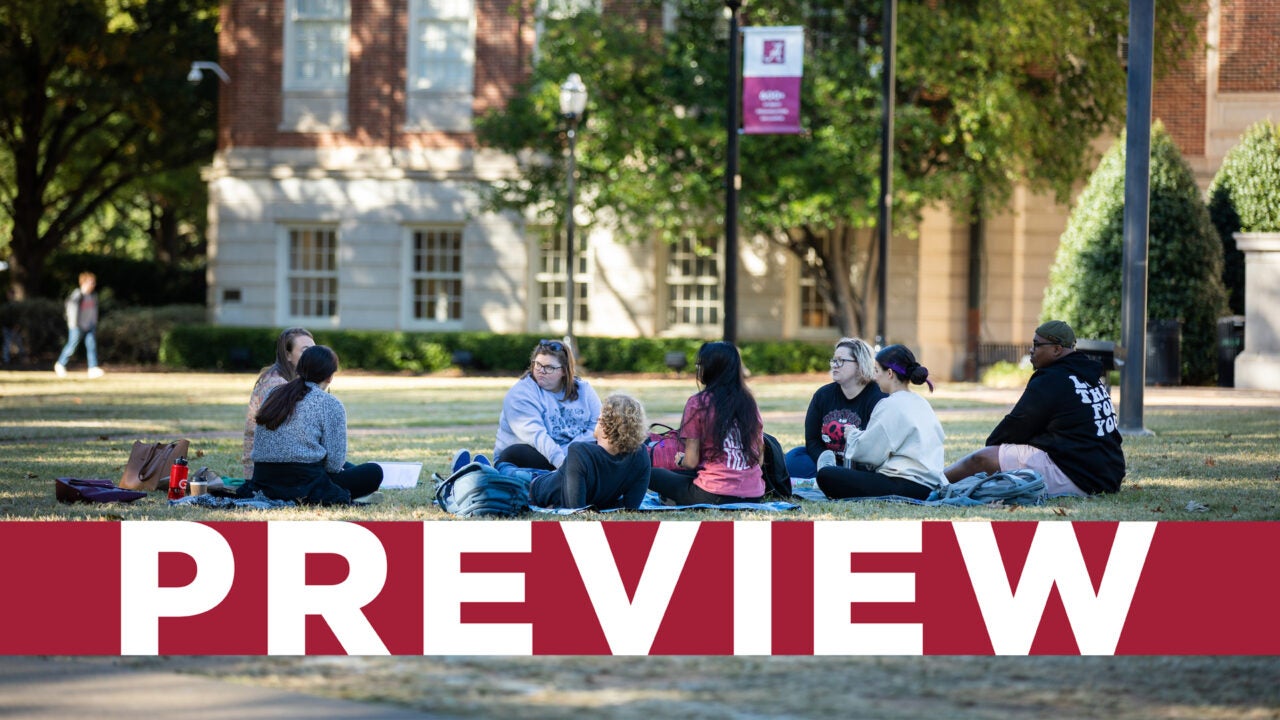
(630, 625)
(752, 588)
(143, 602)
(835, 587)
(290, 599)
(1012, 618)
(446, 587)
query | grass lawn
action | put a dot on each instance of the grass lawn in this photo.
(1216, 449)
(1210, 448)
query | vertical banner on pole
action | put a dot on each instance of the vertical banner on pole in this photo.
(772, 65)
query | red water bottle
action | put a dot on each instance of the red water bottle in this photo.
(178, 479)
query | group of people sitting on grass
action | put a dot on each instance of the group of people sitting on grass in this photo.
(866, 433)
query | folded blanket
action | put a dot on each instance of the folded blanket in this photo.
(214, 502)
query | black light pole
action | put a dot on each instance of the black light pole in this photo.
(731, 182)
(1137, 200)
(889, 39)
(573, 100)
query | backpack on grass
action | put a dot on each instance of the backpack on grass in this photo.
(773, 465)
(478, 490)
(1009, 487)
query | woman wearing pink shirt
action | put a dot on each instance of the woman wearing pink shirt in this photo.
(723, 437)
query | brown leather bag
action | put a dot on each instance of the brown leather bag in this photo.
(149, 465)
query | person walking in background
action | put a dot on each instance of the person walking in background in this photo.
(289, 347)
(548, 408)
(847, 400)
(300, 444)
(900, 452)
(723, 436)
(82, 323)
(1063, 426)
(612, 472)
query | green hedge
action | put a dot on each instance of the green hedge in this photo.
(205, 347)
(128, 335)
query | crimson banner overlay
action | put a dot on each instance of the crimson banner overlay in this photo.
(680, 587)
(772, 65)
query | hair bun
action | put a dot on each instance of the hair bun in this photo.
(919, 374)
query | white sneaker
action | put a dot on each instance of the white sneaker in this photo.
(59, 369)
(826, 459)
(96, 372)
(374, 498)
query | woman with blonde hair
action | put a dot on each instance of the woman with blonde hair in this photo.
(612, 472)
(847, 400)
(900, 451)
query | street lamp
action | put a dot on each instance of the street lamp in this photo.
(573, 101)
(199, 66)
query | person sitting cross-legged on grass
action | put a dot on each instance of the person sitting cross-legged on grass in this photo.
(612, 472)
(1063, 426)
(300, 444)
(900, 452)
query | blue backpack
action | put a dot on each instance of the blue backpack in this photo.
(477, 490)
(1009, 487)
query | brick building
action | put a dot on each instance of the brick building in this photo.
(344, 192)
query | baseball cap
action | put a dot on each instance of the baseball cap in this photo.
(1058, 332)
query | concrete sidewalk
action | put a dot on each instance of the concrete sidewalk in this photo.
(82, 688)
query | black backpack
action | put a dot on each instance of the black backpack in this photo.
(477, 490)
(777, 481)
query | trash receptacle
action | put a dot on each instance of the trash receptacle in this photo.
(1230, 344)
(1164, 352)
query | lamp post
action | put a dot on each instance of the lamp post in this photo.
(731, 182)
(199, 66)
(573, 101)
(889, 39)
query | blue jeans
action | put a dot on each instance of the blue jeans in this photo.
(73, 339)
(799, 464)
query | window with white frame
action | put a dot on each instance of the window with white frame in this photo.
(316, 35)
(312, 272)
(441, 64)
(316, 44)
(814, 309)
(551, 278)
(694, 285)
(435, 275)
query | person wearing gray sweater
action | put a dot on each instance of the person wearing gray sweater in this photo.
(548, 408)
(300, 442)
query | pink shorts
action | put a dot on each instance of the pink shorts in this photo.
(1056, 482)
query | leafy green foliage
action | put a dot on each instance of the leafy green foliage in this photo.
(989, 94)
(1245, 197)
(1184, 258)
(94, 99)
(218, 347)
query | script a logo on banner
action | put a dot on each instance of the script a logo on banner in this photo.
(773, 63)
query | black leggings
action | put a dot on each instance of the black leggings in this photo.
(678, 485)
(839, 482)
(523, 455)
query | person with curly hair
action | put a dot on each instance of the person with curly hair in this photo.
(900, 451)
(612, 472)
(723, 436)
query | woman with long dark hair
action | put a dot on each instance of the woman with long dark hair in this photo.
(300, 445)
(289, 347)
(900, 451)
(723, 436)
(548, 408)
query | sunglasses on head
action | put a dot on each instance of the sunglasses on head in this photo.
(554, 345)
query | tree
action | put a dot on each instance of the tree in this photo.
(94, 99)
(991, 93)
(1245, 197)
(1184, 257)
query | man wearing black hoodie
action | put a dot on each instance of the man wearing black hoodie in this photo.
(1063, 426)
